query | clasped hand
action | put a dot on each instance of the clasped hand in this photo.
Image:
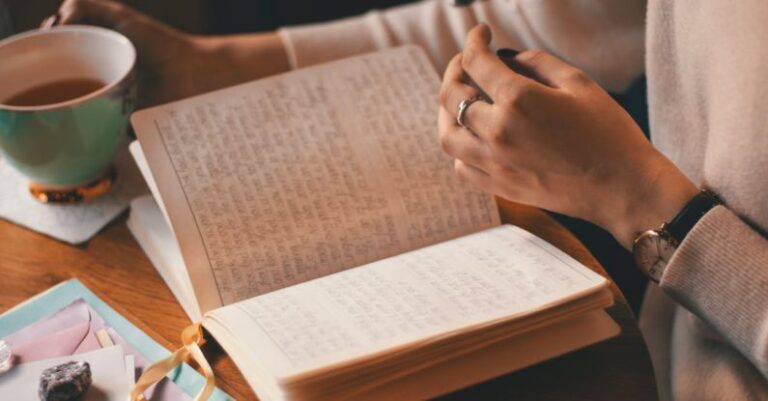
(550, 137)
(173, 64)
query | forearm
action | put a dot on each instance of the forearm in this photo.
(719, 273)
(249, 56)
(657, 191)
(604, 38)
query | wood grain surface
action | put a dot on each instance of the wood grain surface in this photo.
(114, 267)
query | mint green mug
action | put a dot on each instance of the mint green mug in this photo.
(69, 142)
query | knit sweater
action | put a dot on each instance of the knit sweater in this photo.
(706, 325)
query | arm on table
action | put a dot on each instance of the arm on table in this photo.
(604, 38)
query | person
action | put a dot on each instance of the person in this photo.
(541, 130)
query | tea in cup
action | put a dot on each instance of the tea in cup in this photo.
(65, 98)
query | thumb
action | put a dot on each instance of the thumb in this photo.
(550, 70)
(141, 29)
(480, 34)
(95, 12)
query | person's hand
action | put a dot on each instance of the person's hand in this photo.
(552, 138)
(172, 64)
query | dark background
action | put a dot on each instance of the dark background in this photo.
(234, 16)
(216, 16)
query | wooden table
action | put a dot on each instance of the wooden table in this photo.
(116, 269)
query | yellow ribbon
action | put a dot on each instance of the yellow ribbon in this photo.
(192, 339)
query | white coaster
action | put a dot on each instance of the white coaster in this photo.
(73, 223)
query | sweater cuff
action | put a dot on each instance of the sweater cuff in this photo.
(317, 43)
(720, 273)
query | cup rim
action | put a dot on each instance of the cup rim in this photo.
(81, 99)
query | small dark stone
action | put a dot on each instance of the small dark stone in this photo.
(66, 382)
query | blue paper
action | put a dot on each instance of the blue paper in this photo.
(63, 294)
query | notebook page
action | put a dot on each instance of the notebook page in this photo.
(283, 180)
(500, 272)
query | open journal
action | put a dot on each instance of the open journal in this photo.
(310, 221)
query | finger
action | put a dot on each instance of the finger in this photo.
(138, 27)
(72, 11)
(476, 116)
(106, 13)
(50, 22)
(455, 90)
(484, 67)
(473, 175)
(460, 143)
(454, 72)
(550, 70)
(103, 13)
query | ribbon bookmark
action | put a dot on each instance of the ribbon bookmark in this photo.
(192, 339)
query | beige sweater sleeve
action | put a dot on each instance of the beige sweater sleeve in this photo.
(720, 273)
(602, 37)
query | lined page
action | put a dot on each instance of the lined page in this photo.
(501, 272)
(309, 173)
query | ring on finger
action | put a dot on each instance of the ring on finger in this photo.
(463, 107)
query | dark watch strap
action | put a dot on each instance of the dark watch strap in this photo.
(692, 212)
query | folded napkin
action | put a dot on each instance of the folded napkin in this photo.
(73, 223)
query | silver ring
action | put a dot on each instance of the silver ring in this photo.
(463, 106)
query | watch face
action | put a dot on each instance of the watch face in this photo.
(652, 251)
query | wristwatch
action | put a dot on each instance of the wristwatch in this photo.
(654, 248)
